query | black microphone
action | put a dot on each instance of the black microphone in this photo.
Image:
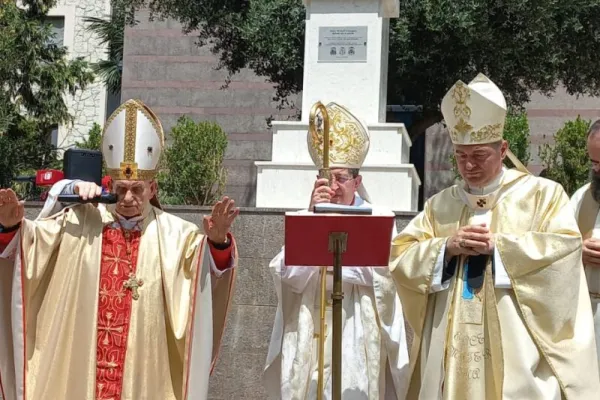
(105, 198)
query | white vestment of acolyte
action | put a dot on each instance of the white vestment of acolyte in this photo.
(592, 274)
(374, 349)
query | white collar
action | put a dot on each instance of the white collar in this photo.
(490, 187)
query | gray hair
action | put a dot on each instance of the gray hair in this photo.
(354, 172)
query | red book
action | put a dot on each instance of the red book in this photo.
(368, 243)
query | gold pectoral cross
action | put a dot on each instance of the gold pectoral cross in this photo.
(133, 284)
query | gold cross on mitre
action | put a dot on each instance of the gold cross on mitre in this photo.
(132, 142)
(133, 284)
(474, 113)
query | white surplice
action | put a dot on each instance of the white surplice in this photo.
(374, 355)
(592, 274)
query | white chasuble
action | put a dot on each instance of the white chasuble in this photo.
(52, 268)
(519, 331)
(374, 350)
(586, 211)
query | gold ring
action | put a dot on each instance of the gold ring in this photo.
(463, 243)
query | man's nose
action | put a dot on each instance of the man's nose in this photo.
(128, 196)
(469, 166)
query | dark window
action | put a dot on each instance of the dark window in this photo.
(58, 29)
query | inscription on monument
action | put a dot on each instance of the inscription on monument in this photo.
(343, 44)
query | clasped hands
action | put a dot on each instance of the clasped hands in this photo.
(591, 253)
(470, 240)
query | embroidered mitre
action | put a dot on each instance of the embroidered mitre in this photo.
(474, 113)
(348, 139)
(132, 142)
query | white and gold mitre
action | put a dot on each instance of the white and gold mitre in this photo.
(474, 113)
(348, 139)
(132, 142)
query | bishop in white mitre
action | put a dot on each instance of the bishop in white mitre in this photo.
(374, 355)
(123, 301)
(490, 274)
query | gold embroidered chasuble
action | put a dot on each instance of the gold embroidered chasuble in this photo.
(532, 341)
(175, 327)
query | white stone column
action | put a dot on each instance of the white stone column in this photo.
(354, 74)
(359, 80)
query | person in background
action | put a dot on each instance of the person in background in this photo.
(375, 354)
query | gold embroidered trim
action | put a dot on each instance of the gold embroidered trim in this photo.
(130, 132)
(462, 112)
(140, 175)
(349, 141)
(129, 168)
(487, 134)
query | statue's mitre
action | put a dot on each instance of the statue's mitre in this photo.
(132, 142)
(348, 139)
(474, 113)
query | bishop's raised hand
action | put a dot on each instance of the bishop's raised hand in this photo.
(218, 224)
(11, 209)
(322, 193)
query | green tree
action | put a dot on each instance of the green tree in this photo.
(192, 166)
(35, 74)
(517, 133)
(566, 161)
(93, 140)
(522, 45)
(110, 32)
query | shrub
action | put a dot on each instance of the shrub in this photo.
(94, 139)
(192, 171)
(566, 160)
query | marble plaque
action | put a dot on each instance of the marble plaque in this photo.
(343, 44)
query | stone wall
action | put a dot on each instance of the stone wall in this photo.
(89, 105)
(259, 234)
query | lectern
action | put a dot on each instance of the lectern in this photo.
(333, 239)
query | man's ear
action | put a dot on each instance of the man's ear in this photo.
(153, 188)
(503, 149)
(358, 180)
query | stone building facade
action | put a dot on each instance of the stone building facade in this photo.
(87, 106)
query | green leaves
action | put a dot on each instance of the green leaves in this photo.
(110, 31)
(35, 76)
(566, 160)
(93, 140)
(522, 45)
(192, 166)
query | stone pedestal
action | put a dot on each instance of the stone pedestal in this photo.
(346, 61)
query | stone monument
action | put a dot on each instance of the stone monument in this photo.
(345, 61)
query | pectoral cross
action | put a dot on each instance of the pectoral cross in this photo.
(481, 203)
(133, 284)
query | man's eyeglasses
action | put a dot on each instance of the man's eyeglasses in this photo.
(341, 179)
